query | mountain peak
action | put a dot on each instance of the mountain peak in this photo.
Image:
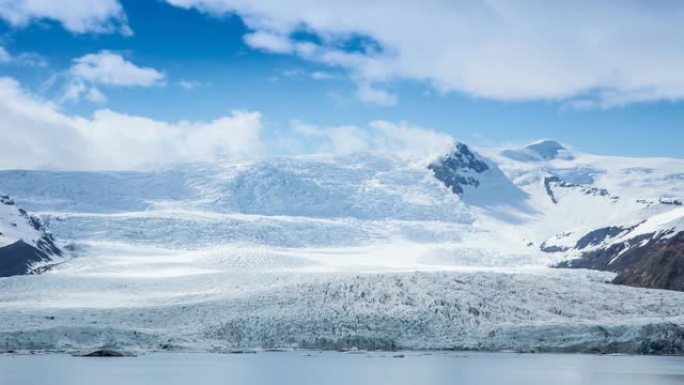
(458, 168)
(542, 150)
(463, 169)
(546, 148)
(463, 157)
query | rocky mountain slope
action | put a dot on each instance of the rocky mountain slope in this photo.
(661, 265)
(648, 254)
(623, 226)
(25, 244)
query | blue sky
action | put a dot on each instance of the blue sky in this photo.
(207, 60)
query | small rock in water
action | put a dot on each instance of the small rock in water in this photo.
(104, 353)
(242, 351)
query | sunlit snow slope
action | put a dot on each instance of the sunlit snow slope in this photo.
(324, 251)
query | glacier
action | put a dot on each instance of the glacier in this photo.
(372, 251)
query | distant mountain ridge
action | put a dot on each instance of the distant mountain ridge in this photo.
(541, 204)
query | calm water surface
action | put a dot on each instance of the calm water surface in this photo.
(303, 368)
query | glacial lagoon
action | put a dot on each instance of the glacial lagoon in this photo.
(336, 368)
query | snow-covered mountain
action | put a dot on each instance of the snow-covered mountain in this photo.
(452, 241)
(538, 205)
(543, 150)
(647, 254)
(25, 244)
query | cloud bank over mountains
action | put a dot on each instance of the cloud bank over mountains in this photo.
(581, 54)
(38, 134)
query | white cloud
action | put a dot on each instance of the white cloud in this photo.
(23, 59)
(189, 85)
(4, 55)
(94, 95)
(30, 59)
(405, 137)
(339, 139)
(321, 75)
(37, 134)
(369, 94)
(269, 42)
(614, 52)
(109, 69)
(77, 88)
(282, 44)
(315, 75)
(379, 136)
(78, 16)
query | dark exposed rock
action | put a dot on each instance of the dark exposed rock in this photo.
(455, 169)
(673, 202)
(35, 222)
(595, 237)
(549, 191)
(47, 245)
(105, 353)
(647, 260)
(662, 201)
(552, 249)
(19, 257)
(242, 351)
(551, 182)
(6, 200)
(659, 266)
